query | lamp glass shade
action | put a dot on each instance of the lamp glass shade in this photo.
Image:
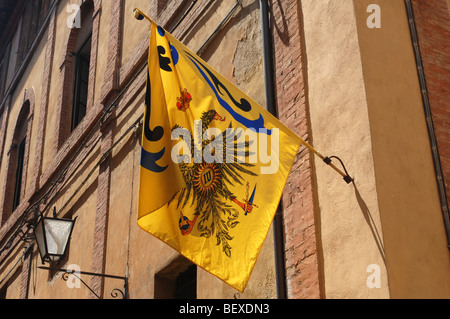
(52, 236)
(39, 233)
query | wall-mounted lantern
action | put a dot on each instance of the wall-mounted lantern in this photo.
(52, 236)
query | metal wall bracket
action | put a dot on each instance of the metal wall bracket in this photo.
(114, 293)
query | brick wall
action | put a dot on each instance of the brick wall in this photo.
(42, 124)
(104, 180)
(433, 28)
(302, 259)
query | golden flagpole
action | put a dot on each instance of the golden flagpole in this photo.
(139, 15)
(328, 161)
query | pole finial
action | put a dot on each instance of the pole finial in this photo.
(137, 14)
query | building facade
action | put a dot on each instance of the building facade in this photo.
(364, 80)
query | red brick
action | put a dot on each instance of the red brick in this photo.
(433, 27)
(302, 270)
(49, 55)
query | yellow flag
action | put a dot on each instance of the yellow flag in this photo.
(214, 163)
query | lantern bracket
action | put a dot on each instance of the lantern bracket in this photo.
(114, 293)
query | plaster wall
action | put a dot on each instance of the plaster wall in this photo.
(417, 256)
(351, 236)
(366, 107)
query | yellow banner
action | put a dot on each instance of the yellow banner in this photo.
(214, 163)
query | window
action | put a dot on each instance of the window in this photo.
(19, 148)
(82, 61)
(177, 281)
(34, 15)
(19, 174)
(75, 84)
(186, 284)
(81, 83)
(17, 158)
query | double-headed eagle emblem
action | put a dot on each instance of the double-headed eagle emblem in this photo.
(209, 187)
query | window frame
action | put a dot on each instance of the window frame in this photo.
(21, 133)
(64, 127)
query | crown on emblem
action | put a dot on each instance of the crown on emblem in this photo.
(184, 101)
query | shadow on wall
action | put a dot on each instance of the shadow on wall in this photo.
(366, 213)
